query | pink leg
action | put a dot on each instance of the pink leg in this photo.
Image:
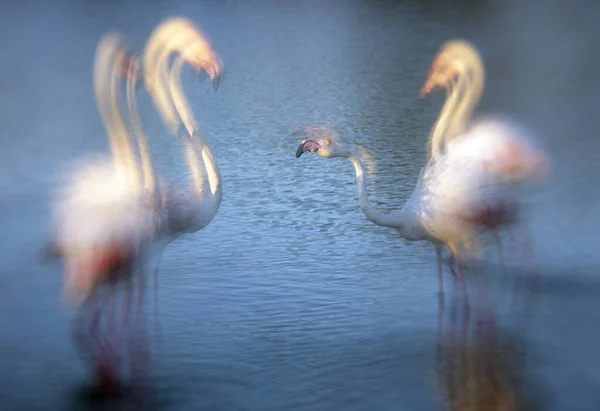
(105, 364)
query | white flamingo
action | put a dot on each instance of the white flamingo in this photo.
(190, 208)
(106, 220)
(407, 221)
(112, 211)
(458, 194)
(475, 163)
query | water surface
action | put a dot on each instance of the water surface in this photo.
(291, 299)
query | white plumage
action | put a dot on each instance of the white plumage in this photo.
(504, 149)
(100, 206)
(464, 188)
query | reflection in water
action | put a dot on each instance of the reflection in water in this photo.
(477, 369)
(259, 306)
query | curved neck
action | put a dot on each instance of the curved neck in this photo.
(459, 107)
(473, 83)
(377, 217)
(440, 130)
(166, 39)
(106, 82)
(148, 169)
(195, 144)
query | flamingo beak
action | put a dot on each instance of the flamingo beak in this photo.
(307, 146)
(440, 75)
(430, 83)
(217, 81)
(214, 70)
(427, 87)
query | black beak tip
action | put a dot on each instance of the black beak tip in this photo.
(217, 82)
(300, 150)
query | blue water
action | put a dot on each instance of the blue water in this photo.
(291, 299)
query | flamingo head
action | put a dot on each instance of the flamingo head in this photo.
(202, 57)
(321, 140)
(455, 58)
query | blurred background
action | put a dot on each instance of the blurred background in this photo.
(291, 299)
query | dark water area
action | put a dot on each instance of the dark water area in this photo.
(290, 299)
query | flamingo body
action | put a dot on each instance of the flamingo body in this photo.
(104, 223)
(504, 148)
(459, 199)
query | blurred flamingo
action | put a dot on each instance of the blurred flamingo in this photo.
(459, 193)
(188, 209)
(107, 216)
(475, 163)
(327, 143)
(112, 214)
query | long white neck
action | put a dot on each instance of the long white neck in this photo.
(197, 150)
(438, 139)
(460, 104)
(106, 84)
(168, 38)
(473, 82)
(396, 220)
(148, 169)
(180, 36)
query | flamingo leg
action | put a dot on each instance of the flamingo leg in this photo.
(465, 320)
(463, 287)
(455, 250)
(85, 327)
(500, 254)
(526, 247)
(128, 297)
(525, 253)
(139, 350)
(452, 263)
(104, 360)
(157, 329)
(453, 320)
(111, 333)
(438, 254)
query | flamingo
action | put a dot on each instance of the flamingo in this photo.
(187, 209)
(190, 208)
(328, 144)
(112, 212)
(476, 163)
(107, 217)
(459, 193)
